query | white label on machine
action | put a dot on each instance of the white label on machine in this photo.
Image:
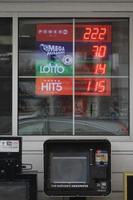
(9, 146)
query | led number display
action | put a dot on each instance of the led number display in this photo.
(92, 69)
(93, 50)
(93, 33)
(99, 51)
(93, 86)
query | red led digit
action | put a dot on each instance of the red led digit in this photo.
(102, 33)
(99, 51)
(100, 68)
(95, 34)
(96, 86)
(101, 86)
(89, 86)
(87, 34)
(95, 50)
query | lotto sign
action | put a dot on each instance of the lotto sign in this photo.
(53, 86)
(54, 32)
(52, 68)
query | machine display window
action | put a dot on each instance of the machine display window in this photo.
(6, 76)
(74, 169)
(74, 76)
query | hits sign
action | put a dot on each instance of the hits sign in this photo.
(53, 86)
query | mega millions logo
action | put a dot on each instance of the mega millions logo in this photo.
(52, 49)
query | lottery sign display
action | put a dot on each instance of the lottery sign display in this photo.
(93, 46)
(53, 86)
(54, 32)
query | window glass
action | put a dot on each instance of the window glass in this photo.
(6, 76)
(73, 76)
(101, 83)
(45, 76)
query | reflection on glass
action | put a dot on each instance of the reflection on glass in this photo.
(45, 76)
(6, 76)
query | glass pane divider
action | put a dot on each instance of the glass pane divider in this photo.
(90, 76)
(15, 77)
(73, 78)
(76, 76)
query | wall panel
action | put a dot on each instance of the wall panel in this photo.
(113, 196)
(35, 159)
(117, 147)
(66, 6)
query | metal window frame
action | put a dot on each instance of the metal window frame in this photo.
(15, 16)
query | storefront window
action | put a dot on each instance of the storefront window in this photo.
(5, 76)
(73, 76)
